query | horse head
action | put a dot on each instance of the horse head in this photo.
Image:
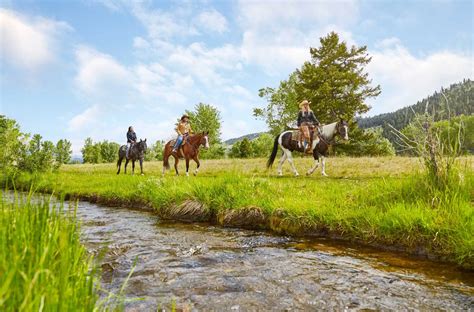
(342, 128)
(205, 139)
(141, 146)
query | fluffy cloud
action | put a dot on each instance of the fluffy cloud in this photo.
(88, 117)
(28, 43)
(98, 72)
(277, 36)
(213, 21)
(406, 78)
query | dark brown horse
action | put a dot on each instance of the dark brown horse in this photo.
(188, 150)
(137, 152)
(321, 145)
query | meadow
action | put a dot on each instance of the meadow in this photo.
(385, 201)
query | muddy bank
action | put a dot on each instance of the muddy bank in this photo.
(254, 218)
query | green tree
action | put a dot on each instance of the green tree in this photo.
(235, 150)
(108, 151)
(37, 155)
(262, 146)
(206, 117)
(63, 151)
(91, 152)
(11, 141)
(245, 148)
(282, 108)
(334, 81)
(155, 151)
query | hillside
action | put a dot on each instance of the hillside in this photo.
(250, 136)
(461, 101)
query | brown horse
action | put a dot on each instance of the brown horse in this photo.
(188, 150)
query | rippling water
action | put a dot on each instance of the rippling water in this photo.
(202, 267)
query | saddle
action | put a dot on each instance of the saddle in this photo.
(298, 136)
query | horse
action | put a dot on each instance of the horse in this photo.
(190, 149)
(137, 152)
(320, 145)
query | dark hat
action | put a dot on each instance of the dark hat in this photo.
(184, 116)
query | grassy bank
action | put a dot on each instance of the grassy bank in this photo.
(380, 201)
(43, 265)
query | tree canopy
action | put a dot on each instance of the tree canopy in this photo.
(334, 80)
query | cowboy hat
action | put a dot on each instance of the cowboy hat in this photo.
(184, 116)
(304, 102)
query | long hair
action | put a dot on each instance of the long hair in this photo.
(129, 128)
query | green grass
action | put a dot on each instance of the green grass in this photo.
(384, 201)
(43, 265)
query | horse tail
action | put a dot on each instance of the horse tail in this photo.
(166, 163)
(274, 152)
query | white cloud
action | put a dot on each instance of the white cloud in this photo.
(28, 43)
(277, 35)
(213, 21)
(99, 73)
(87, 117)
(406, 78)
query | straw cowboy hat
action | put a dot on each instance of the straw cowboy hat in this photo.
(184, 116)
(304, 102)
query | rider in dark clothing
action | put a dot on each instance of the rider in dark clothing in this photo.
(131, 139)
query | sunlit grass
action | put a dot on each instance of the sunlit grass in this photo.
(385, 200)
(43, 266)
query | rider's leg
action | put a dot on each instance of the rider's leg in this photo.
(178, 142)
(128, 148)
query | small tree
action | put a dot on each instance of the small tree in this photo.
(63, 151)
(11, 142)
(245, 148)
(206, 117)
(108, 151)
(262, 146)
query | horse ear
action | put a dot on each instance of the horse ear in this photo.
(145, 140)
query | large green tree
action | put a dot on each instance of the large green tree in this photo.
(334, 80)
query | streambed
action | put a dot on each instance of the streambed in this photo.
(203, 267)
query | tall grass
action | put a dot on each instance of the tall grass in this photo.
(43, 266)
(385, 200)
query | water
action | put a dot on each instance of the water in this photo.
(202, 267)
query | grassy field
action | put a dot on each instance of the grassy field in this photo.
(384, 201)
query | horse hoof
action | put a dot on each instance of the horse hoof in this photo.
(297, 174)
(324, 174)
(142, 174)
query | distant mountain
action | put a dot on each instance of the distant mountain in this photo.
(461, 101)
(250, 136)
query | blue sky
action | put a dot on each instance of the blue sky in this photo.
(74, 69)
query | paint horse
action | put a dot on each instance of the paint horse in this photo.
(188, 150)
(320, 145)
(137, 152)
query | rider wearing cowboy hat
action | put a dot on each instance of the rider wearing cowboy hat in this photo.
(306, 119)
(183, 129)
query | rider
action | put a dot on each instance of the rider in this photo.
(183, 129)
(306, 119)
(131, 139)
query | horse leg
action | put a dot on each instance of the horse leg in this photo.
(176, 161)
(133, 166)
(119, 164)
(323, 166)
(315, 164)
(290, 160)
(126, 163)
(187, 166)
(198, 165)
(280, 164)
(141, 166)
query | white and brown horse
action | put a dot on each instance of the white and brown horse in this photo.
(320, 145)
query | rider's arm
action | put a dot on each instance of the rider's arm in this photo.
(313, 118)
(178, 129)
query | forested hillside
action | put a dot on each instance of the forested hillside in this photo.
(460, 98)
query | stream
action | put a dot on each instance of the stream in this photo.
(202, 267)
